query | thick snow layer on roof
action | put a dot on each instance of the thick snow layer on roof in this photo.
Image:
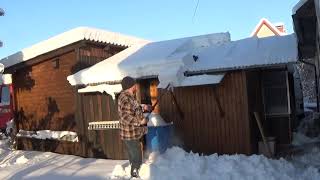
(69, 37)
(250, 52)
(109, 89)
(299, 5)
(202, 80)
(164, 57)
(104, 71)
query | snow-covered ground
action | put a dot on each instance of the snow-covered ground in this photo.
(175, 164)
(51, 166)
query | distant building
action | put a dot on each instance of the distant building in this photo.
(265, 29)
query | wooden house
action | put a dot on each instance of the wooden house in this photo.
(43, 98)
(265, 29)
(218, 85)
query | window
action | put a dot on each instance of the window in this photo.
(5, 95)
(275, 92)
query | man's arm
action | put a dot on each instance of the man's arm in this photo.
(131, 115)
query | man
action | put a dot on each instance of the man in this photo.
(132, 122)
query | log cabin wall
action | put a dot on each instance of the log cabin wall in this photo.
(204, 128)
(44, 99)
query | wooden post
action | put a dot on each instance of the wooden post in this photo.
(266, 144)
(154, 95)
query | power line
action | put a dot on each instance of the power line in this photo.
(195, 11)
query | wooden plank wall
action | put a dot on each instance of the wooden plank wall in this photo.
(203, 129)
(44, 99)
(104, 143)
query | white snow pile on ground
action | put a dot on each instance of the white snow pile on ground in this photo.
(177, 164)
(15, 164)
(308, 130)
(48, 134)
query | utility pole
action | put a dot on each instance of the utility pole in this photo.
(1, 14)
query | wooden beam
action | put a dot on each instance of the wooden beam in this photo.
(154, 95)
(174, 101)
(221, 112)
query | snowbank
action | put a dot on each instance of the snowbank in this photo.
(177, 164)
(48, 134)
(15, 164)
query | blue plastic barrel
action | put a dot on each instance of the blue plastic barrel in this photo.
(158, 138)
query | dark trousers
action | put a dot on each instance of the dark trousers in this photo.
(134, 152)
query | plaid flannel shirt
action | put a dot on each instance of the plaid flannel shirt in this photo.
(131, 114)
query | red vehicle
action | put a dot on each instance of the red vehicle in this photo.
(6, 101)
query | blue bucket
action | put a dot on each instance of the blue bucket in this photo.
(158, 138)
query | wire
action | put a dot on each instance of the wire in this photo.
(195, 11)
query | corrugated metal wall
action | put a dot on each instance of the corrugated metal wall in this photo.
(203, 129)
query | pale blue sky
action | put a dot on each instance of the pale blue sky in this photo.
(27, 22)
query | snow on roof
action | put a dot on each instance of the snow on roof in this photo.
(272, 27)
(147, 59)
(201, 80)
(298, 6)
(104, 71)
(69, 37)
(169, 60)
(249, 52)
(109, 89)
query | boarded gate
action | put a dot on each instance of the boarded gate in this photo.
(93, 107)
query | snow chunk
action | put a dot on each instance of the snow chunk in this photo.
(22, 160)
(109, 89)
(48, 134)
(202, 80)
